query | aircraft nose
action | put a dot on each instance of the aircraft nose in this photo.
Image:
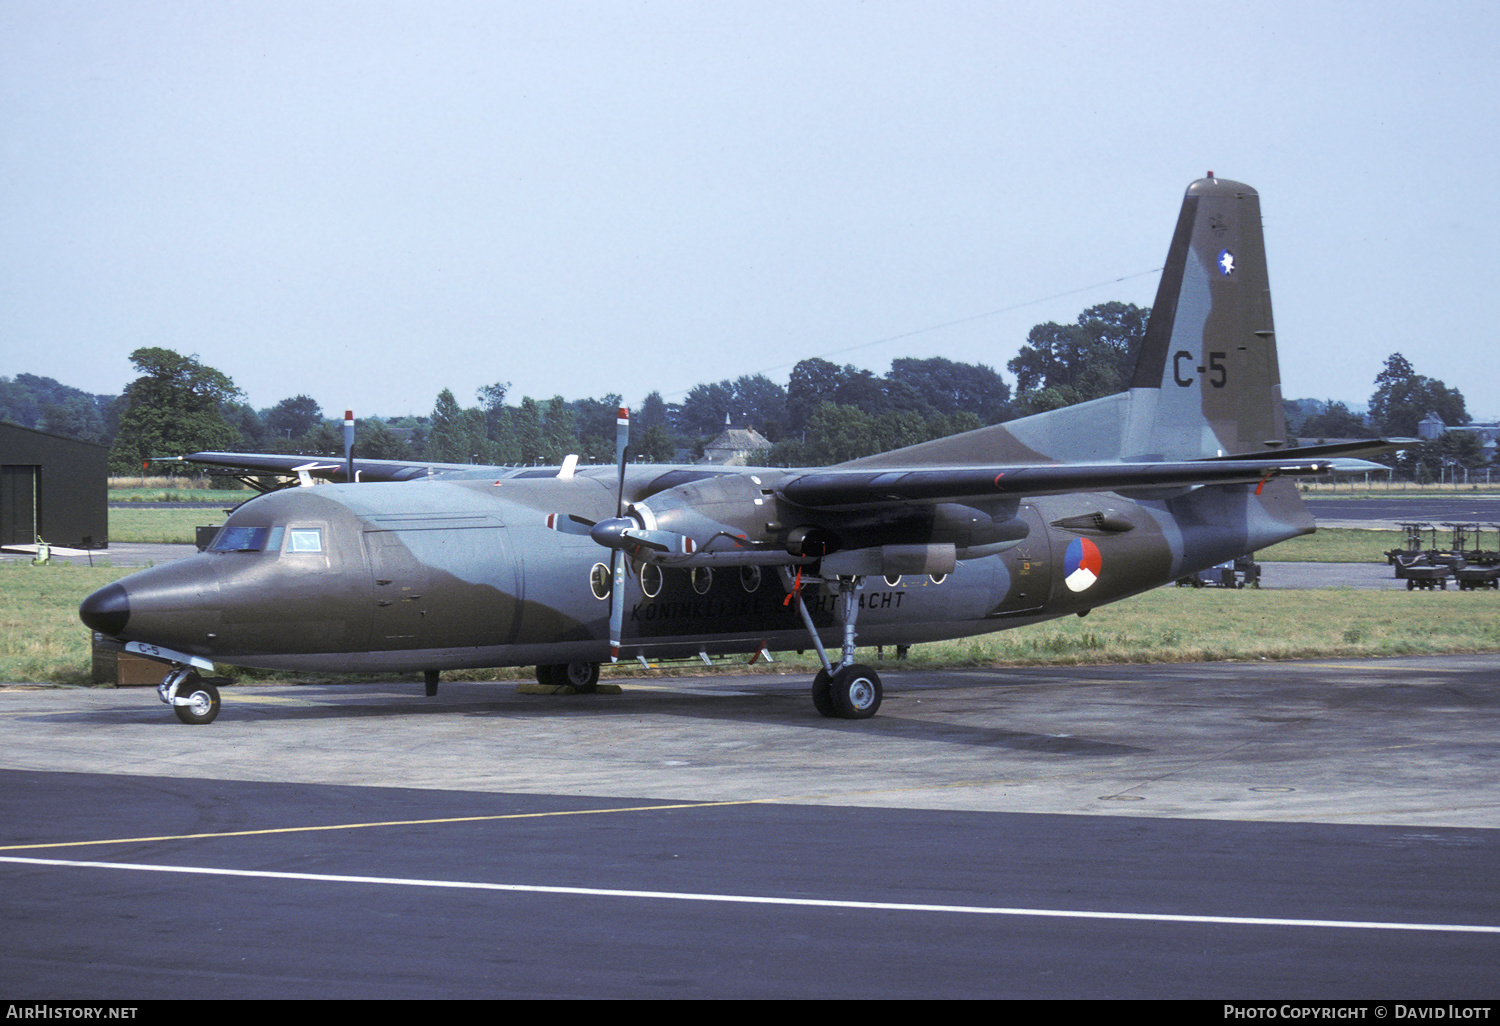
(106, 610)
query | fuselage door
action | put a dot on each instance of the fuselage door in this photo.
(444, 582)
(400, 591)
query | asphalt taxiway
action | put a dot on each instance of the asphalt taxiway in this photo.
(1396, 508)
(1281, 830)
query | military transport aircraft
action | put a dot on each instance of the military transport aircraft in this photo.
(564, 567)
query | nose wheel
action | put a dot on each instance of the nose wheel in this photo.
(192, 698)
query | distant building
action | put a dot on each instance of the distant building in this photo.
(53, 487)
(1431, 427)
(735, 447)
(1487, 434)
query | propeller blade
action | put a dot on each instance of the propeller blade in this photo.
(622, 447)
(616, 605)
(617, 579)
(569, 523)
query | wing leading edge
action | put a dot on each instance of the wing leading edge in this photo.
(864, 488)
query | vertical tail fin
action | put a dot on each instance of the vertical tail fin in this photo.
(1206, 381)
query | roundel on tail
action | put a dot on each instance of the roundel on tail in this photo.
(1082, 564)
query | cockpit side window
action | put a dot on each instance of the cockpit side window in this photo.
(304, 539)
(240, 539)
(247, 539)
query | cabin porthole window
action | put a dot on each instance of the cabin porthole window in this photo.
(651, 580)
(703, 579)
(599, 581)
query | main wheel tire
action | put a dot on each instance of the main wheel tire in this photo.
(822, 694)
(856, 692)
(582, 676)
(203, 701)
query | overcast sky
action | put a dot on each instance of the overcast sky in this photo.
(368, 202)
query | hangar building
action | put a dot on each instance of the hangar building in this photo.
(54, 487)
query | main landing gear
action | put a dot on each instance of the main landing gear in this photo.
(582, 677)
(849, 690)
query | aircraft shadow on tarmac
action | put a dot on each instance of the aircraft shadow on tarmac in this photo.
(769, 704)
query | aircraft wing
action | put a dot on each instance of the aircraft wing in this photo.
(328, 468)
(857, 488)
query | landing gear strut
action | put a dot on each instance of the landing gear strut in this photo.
(849, 690)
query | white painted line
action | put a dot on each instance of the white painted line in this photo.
(748, 899)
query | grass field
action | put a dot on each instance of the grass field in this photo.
(221, 496)
(41, 639)
(173, 489)
(160, 526)
(1334, 545)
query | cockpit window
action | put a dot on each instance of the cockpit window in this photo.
(241, 539)
(305, 539)
(247, 539)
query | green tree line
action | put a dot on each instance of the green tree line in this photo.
(825, 413)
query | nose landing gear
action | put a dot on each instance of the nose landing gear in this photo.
(192, 698)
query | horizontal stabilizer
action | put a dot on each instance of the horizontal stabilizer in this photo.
(1356, 447)
(1350, 466)
(321, 467)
